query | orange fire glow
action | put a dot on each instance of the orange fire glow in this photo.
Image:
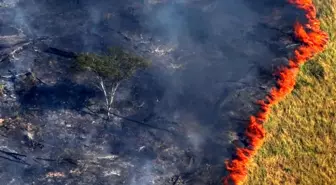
(313, 41)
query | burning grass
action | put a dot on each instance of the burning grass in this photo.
(299, 146)
(301, 133)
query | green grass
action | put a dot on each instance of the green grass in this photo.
(300, 146)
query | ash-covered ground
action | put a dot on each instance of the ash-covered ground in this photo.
(174, 124)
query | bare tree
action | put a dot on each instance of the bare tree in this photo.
(110, 70)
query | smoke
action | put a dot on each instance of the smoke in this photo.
(20, 20)
(144, 176)
(8, 3)
(212, 45)
(167, 21)
(195, 131)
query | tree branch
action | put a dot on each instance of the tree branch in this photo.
(105, 94)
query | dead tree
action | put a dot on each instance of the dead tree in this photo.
(110, 69)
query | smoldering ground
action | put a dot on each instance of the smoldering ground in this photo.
(175, 122)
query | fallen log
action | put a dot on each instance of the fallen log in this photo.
(59, 52)
(9, 52)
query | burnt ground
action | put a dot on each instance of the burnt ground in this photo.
(174, 124)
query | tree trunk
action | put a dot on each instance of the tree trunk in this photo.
(113, 91)
(108, 99)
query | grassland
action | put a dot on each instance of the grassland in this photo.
(300, 146)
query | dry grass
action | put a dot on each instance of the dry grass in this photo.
(300, 147)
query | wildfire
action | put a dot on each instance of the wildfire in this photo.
(313, 41)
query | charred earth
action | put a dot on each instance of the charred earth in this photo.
(173, 123)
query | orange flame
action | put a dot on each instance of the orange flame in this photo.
(313, 41)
